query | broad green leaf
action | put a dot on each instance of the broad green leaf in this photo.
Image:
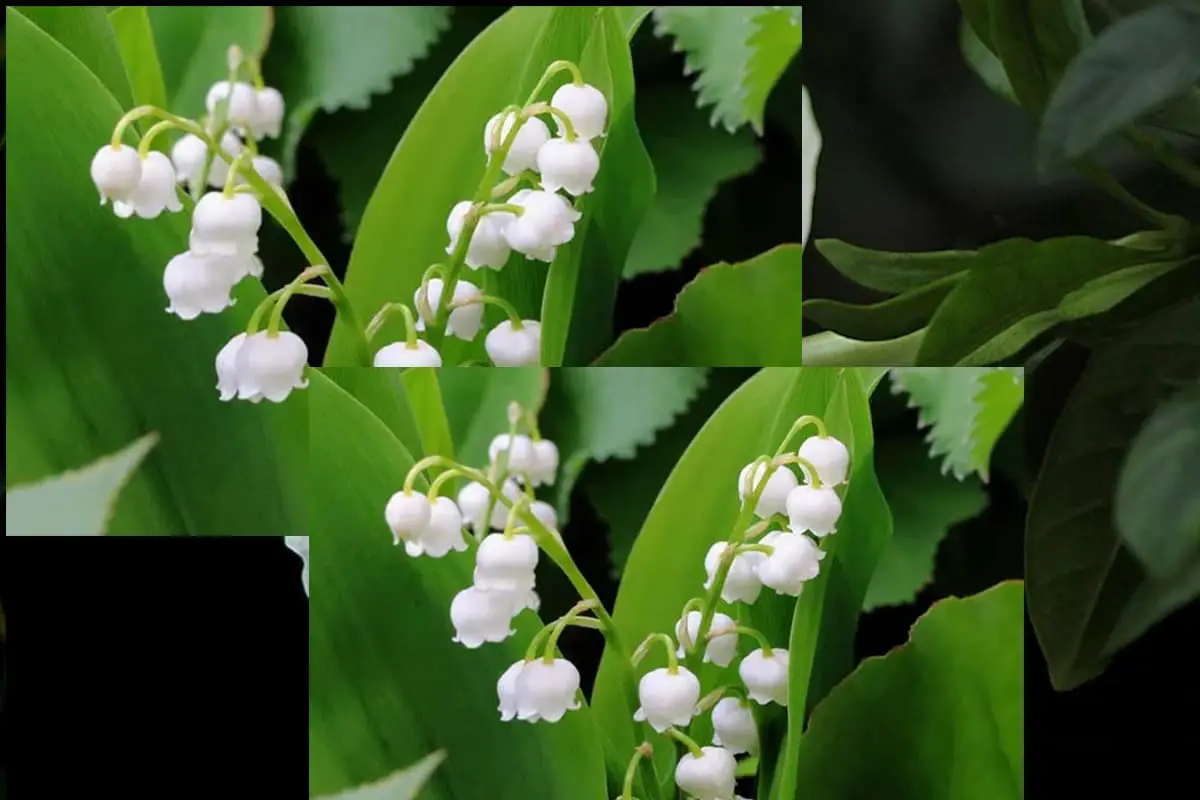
(135, 39)
(894, 273)
(477, 399)
(925, 503)
(828, 349)
(1134, 67)
(822, 628)
(1087, 594)
(696, 507)
(403, 785)
(965, 409)
(383, 392)
(398, 238)
(76, 503)
(192, 43)
(1035, 42)
(889, 319)
(355, 145)
(424, 394)
(1011, 295)
(943, 712)
(622, 491)
(330, 57)
(86, 32)
(92, 360)
(1157, 508)
(598, 413)
(984, 62)
(691, 160)
(731, 315)
(631, 17)
(387, 684)
(739, 52)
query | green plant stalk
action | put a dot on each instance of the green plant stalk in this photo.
(1164, 154)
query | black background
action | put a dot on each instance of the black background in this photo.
(154, 667)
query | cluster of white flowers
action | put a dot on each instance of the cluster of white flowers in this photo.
(299, 545)
(223, 243)
(782, 560)
(533, 221)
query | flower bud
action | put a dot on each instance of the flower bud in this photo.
(242, 109)
(545, 463)
(519, 448)
(584, 105)
(829, 456)
(268, 113)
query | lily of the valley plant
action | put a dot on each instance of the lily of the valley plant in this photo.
(789, 504)
(524, 203)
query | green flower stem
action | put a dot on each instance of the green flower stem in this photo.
(711, 699)
(741, 630)
(435, 488)
(558, 114)
(232, 176)
(686, 741)
(685, 640)
(509, 310)
(145, 145)
(268, 301)
(381, 316)
(510, 526)
(667, 643)
(563, 621)
(433, 461)
(502, 208)
(552, 70)
(805, 466)
(277, 312)
(643, 750)
(755, 548)
(797, 426)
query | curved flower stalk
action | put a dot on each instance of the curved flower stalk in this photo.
(790, 503)
(810, 150)
(524, 204)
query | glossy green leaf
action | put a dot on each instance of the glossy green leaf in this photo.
(984, 62)
(894, 273)
(384, 393)
(965, 409)
(739, 52)
(943, 712)
(398, 239)
(598, 413)
(92, 360)
(135, 39)
(828, 349)
(890, 319)
(1134, 67)
(1157, 506)
(86, 32)
(387, 684)
(691, 160)
(192, 43)
(632, 17)
(75, 503)
(822, 628)
(330, 57)
(476, 402)
(424, 394)
(403, 785)
(1087, 593)
(731, 315)
(1035, 42)
(925, 503)
(1011, 294)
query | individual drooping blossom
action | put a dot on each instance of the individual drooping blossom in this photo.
(734, 727)
(668, 695)
(410, 351)
(765, 673)
(504, 216)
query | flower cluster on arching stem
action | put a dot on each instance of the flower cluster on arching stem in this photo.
(533, 220)
(212, 159)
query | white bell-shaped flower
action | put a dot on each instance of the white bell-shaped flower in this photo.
(156, 190)
(585, 106)
(219, 172)
(519, 448)
(268, 114)
(733, 726)
(547, 221)
(546, 515)
(667, 699)
(546, 692)
(773, 499)
(464, 321)
(488, 247)
(523, 153)
(299, 545)
(443, 533)
(241, 264)
(814, 510)
(399, 354)
(796, 560)
(712, 776)
(226, 363)
(190, 152)
(508, 347)
(472, 501)
(226, 225)
(506, 563)
(545, 463)
(479, 616)
(568, 165)
(267, 168)
(408, 514)
(766, 677)
(117, 172)
(271, 367)
(197, 285)
(506, 691)
(829, 456)
(741, 582)
(242, 109)
(722, 647)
